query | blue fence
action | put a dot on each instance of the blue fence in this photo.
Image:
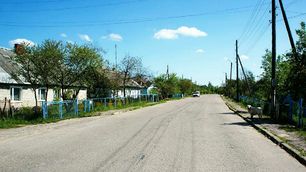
(289, 110)
(71, 108)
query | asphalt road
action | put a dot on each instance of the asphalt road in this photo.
(193, 134)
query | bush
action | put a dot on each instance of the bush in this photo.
(27, 113)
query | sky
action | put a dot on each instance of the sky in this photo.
(196, 38)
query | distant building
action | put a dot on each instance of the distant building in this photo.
(19, 91)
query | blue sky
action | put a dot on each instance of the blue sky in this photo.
(196, 38)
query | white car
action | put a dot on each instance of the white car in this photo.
(196, 94)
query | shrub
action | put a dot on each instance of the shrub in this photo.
(27, 113)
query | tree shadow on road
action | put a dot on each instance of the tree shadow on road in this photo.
(227, 113)
(238, 123)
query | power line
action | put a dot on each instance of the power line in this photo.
(246, 28)
(130, 21)
(261, 35)
(76, 7)
(256, 22)
(33, 2)
(256, 33)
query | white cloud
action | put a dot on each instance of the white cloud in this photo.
(85, 37)
(113, 37)
(64, 35)
(191, 31)
(244, 57)
(181, 31)
(200, 51)
(166, 34)
(21, 41)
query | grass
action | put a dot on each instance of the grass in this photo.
(54, 117)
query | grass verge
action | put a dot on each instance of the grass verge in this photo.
(15, 123)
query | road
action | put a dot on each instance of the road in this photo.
(193, 134)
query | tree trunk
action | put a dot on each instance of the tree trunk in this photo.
(77, 93)
(124, 83)
(62, 94)
(36, 103)
(46, 94)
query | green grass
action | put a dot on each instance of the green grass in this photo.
(54, 117)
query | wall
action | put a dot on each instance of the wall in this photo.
(82, 94)
(28, 99)
(129, 93)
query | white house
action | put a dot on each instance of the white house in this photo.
(19, 91)
(132, 88)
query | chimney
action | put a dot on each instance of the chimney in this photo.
(19, 49)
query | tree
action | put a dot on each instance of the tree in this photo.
(48, 56)
(101, 84)
(167, 86)
(264, 84)
(297, 73)
(25, 62)
(128, 68)
(77, 68)
(185, 86)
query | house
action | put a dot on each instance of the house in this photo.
(132, 88)
(17, 90)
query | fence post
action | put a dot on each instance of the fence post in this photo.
(92, 105)
(44, 109)
(290, 113)
(61, 109)
(300, 124)
(76, 107)
(88, 105)
(85, 108)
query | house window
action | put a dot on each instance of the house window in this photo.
(42, 94)
(15, 93)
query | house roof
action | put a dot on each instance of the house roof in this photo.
(7, 68)
(115, 75)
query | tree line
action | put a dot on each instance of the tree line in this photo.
(290, 75)
(66, 67)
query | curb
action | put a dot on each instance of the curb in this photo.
(292, 151)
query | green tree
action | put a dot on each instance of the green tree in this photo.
(25, 62)
(263, 86)
(48, 55)
(186, 86)
(77, 68)
(297, 72)
(166, 85)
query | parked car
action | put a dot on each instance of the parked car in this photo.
(196, 94)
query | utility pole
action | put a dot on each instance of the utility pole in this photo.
(231, 71)
(273, 79)
(288, 29)
(245, 76)
(116, 56)
(237, 72)
(168, 71)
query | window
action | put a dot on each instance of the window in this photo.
(15, 93)
(42, 94)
